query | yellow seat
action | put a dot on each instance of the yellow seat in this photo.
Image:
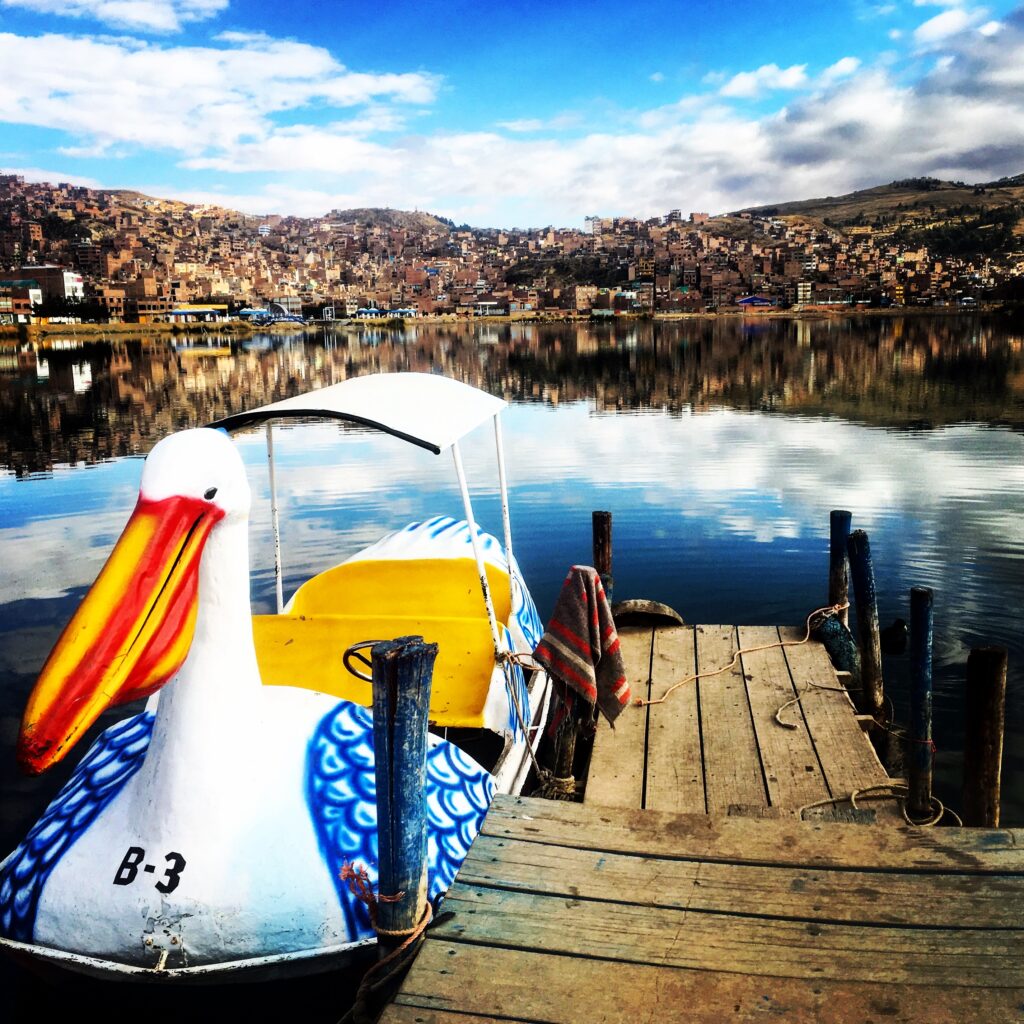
(404, 586)
(438, 599)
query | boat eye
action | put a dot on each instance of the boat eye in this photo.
(210, 494)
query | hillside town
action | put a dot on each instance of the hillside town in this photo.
(71, 252)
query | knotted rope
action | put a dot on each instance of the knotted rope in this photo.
(386, 970)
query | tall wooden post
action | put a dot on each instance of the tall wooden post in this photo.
(921, 754)
(601, 525)
(863, 574)
(983, 747)
(402, 671)
(838, 577)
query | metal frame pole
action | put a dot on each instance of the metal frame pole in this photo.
(502, 482)
(275, 520)
(477, 553)
(505, 518)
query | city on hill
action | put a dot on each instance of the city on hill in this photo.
(67, 251)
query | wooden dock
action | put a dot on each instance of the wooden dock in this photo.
(578, 914)
(688, 888)
(715, 745)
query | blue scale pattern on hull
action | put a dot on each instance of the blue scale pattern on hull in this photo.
(341, 793)
(112, 760)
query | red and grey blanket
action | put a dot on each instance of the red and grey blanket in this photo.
(580, 647)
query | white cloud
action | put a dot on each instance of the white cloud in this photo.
(942, 26)
(186, 98)
(139, 15)
(895, 33)
(41, 175)
(843, 68)
(242, 109)
(990, 28)
(522, 124)
(768, 77)
(658, 76)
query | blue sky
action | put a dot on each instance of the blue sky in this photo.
(521, 114)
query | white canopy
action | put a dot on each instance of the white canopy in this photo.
(431, 411)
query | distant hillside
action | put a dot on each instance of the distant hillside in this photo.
(388, 218)
(916, 201)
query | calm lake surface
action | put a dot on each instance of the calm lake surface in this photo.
(720, 448)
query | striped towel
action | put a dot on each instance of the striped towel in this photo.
(580, 647)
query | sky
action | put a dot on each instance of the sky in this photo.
(523, 114)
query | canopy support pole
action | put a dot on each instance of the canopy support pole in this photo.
(477, 553)
(506, 521)
(279, 583)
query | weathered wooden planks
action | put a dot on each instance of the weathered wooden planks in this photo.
(756, 841)
(484, 983)
(776, 947)
(847, 761)
(732, 763)
(796, 891)
(572, 913)
(792, 772)
(675, 766)
(715, 743)
(617, 765)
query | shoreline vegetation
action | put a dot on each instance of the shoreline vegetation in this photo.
(33, 332)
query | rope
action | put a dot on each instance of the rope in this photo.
(362, 1011)
(895, 791)
(828, 610)
(556, 787)
(361, 887)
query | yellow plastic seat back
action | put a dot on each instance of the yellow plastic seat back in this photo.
(296, 650)
(436, 598)
(404, 586)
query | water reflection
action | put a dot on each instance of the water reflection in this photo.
(85, 404)
(687, 432)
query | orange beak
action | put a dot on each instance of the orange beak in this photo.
(130, 634)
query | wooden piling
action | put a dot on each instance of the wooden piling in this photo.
(984, 720)
(601, 525)
(838, 575)
(863, 575)
(921, 753)
(402, 671)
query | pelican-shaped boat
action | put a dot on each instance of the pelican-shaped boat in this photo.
(203, 836)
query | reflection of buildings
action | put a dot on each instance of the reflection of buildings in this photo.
(103, 400)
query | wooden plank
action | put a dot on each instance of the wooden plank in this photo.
(413, 1014)
(846, 754)
(756, 841)
(804, 893)
(616, 776)
(792, 774)
(675, 769)
(505, 984)
(624, 933)
(732, 764)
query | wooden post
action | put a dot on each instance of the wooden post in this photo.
(863, 574)
(983, 743)
(838, 577)
(402, 671)
(601, 525)
(921, 754)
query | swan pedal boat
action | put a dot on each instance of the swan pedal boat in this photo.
(202, 838)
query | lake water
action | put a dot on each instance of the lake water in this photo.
(719, 446)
